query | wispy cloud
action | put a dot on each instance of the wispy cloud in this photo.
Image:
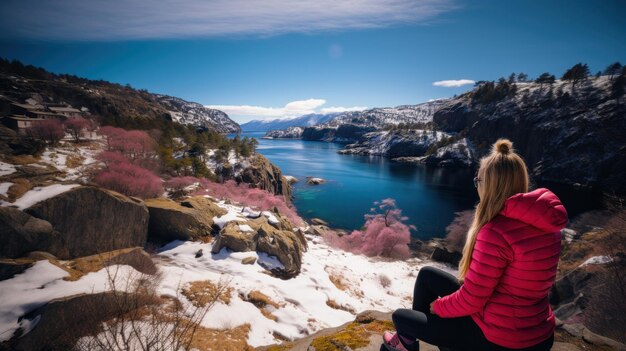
(334, 109)
(140, 19)
(455, 83)
(297, 108)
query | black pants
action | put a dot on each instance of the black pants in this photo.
(454, 333)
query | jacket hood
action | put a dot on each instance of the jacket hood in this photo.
(539, 208)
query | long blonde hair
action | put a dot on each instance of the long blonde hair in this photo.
(502, 174)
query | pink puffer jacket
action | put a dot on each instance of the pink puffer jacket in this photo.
(512, 269)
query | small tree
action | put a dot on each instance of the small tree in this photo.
(545, 78)
(76, 126)
(613, 70)
(49, 130)
(576, 74)
(522, 77)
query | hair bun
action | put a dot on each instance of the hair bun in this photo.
(503, 146)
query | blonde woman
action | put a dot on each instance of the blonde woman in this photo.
(500, 301)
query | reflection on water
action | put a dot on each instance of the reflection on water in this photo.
(428, 196)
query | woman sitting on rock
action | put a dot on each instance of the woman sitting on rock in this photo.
(509, 264)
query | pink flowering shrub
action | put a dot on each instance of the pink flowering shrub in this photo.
(251, 197)
(126, 161)
(457, 230)
(384, 233)
(49, 130)
(76, 126)
(129, 179)
(136, 145)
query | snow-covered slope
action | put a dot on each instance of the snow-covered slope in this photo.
(388, 116)
(284, 123)
(193, 113)
(289, 133)
(331, 289)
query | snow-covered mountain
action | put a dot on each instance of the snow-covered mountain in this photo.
(193, 113)
(279, 124)
(389, 116)
(289, 133)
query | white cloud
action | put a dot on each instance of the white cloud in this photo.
(140, 19)
(244, 113)
(455, 83)
(333, 109)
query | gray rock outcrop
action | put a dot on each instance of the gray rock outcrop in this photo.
(90, 220)
(189, 219)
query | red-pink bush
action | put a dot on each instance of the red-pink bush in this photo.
(248, 196)
(129, 179)
(49, 130)
(136, 145)
(76, 126)
(457, 230)
(384, 233)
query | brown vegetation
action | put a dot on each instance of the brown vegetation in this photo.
(203, 292)
(19, 187)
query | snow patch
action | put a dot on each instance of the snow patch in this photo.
(597, 260)
(6, 169)
(38, 194)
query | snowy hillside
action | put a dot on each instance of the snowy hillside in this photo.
(331, 289)
(195, 114)
(289, 133)
(387, 116)
(284, 123)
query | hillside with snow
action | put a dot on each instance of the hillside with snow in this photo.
(195, 114)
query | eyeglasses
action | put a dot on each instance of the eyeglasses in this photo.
(476, 181)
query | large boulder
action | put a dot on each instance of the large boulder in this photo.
(92, 220)
(187, 220)
(61, 322)
(285, 245)
(263, 174)
(21, 233)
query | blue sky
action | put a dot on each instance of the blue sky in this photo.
(285, 58)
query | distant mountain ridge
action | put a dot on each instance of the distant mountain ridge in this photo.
(284, 123)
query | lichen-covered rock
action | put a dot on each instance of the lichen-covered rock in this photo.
(263, 174)
(21, 233)
(135, 257)
(61, 322)
(90, 220)
(285, 245)
(234, 239)
(190, 219)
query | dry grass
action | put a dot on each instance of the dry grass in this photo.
(333, 304)
(22, 159)
(18, 189)
(338, 282)
(204, 291)
(261, 301)
(234, 339)
(74, 160)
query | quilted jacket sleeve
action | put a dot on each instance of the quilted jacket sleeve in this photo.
(490, 258)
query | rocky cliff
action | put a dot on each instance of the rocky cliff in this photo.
(572, 137)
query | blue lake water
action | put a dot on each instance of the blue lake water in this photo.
(428, 196)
